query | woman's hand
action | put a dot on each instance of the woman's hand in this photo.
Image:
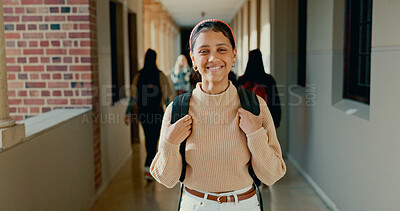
(248, 122)
(127, 117)
(179, 131)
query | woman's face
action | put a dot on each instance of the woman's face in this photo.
(213, 55)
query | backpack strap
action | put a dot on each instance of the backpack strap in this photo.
(180, 108)
(249, 101)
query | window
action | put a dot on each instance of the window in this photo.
(117, 51)
(358, 50)
(301, 71)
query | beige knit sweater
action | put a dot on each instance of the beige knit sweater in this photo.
(218, 152)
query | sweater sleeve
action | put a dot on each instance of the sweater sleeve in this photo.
(265, 150)
(167, 164)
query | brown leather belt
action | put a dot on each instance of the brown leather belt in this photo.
(222, 199)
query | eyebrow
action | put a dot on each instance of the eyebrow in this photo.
(202, 46)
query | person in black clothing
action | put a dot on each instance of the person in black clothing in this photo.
(261, 83)
(151, 95)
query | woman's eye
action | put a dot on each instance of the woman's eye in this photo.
(203, 51)
(222, 49)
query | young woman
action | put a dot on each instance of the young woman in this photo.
(180, 75)
(256, 79)
(222, 138)
(150, 92)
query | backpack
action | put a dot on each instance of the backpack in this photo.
(180, 107)
(148, 94)
(258, 89)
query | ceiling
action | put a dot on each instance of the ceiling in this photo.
(187, 13)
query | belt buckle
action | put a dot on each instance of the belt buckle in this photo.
(219, 199)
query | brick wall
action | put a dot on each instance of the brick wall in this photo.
(49, 57)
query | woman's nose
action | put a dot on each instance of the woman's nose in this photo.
(211, 58)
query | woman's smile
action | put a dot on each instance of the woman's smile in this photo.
(215, 68)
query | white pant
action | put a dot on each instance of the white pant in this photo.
(194, 203)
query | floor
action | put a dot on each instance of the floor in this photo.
(130, 191)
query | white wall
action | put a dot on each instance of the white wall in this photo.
(115, 136)
(353, 160)
(52, 170)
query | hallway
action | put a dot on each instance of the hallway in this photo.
(129, 191)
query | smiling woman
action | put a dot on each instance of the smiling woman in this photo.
(222, 139)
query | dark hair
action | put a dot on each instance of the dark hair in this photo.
(150, 73)
(255, 68)
(215, 25)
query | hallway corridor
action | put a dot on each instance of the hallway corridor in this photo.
(129, 191)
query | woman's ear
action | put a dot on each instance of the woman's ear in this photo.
(193, 63)
(234, 54)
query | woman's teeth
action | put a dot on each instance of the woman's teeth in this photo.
(214, 68)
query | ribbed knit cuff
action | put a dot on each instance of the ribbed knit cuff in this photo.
(167, 147)
(257, 140)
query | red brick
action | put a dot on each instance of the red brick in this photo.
(12, 35)
(76, 26)
(79, 51)
(15, 85)
(28, 2)
(10, 76)
(33, 102)
(33, 52)
(31, 18)
(10, 60)
(57, 76)
(19, 118)
(33, 68)
(81, 101)
(33, 43)
(86, 93)
(21, 44)
(46, 109)
(34, 76)
(8, 10)
(56, 35)
(21, 27)
(34, 93)
(21, 60)
(35, 109)
(80, 68)
(54, 2)
(85, 59)
(33, 60)
(55, 43)
(10, 44)
(14, 101)
(31, 10)
(57, 18)
(13, 69)
(78, 18)
(43, 10)
(12, 94)
(44, 43)
(10, 52)
(57, 93)
(78, 2)
(19, 10)
(79, 35)
(67, 43)
(67, 26)
(45, 60)
(84, 26)
(32, 35)
(22, 93)
(45, 93)
(23, 76)
(35, 84)
(56, 68)
(85, 43)
(32, 27)
(22, 110)
(58, 84)
(77, 76)
(56, 51)
(67, 59)
(12, 110)
(57, 101)
(10, 2)
(68, 93)
(45, 76)
(11, 18)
